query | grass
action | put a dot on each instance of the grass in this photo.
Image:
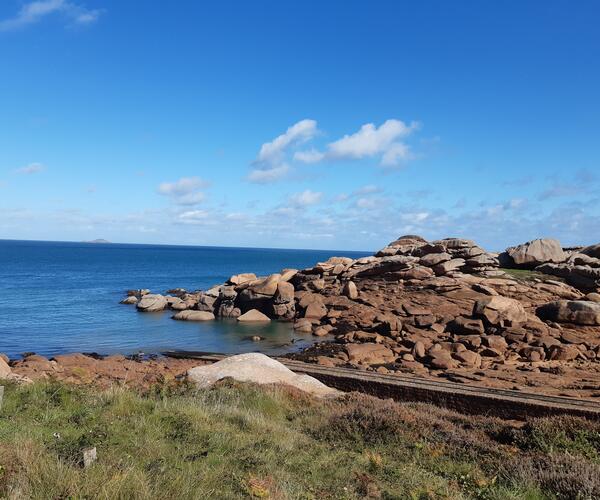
(245, 441)
(529, 275)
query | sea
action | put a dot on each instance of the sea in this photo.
(61, 297)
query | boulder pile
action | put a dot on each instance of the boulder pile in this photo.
(440, 308)
(581, 269)
(580, 266)
(443, 257)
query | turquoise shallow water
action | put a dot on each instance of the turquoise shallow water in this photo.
(60, 297)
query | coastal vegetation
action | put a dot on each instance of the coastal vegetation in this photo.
(240, 440)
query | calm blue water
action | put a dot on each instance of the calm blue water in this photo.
(60, 297)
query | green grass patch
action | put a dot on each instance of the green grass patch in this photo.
(529, 275)
(244, 441)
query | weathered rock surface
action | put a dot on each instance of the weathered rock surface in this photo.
(188, 315)
(433, 309)
(253, 315)
(533, 253)
(259, 369)
(580, 312)
(152, 303)
(502, 311)
(5, 370)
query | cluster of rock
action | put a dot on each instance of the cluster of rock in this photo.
(416, 306)
(580, 267)
(243, 296)
(440, 258)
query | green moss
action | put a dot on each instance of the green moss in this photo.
(239, 441)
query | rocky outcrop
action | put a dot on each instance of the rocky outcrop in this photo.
(259, 369)
(592, 251)
(439, 309)
(533, 253)
(581, 270)
(413, 257)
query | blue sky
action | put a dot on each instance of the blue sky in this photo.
(336, 124)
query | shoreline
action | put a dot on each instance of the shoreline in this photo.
(442, 309)
(433, 310)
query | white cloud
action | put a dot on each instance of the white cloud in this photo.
(32, 168)
(185, 191)
(270, 164)
(305, 198)
(370, 141)
(194, 215)
(268, 174)
(34, 12)
(309, 156)
(299, 132)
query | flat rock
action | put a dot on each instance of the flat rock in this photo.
(189, 315)
(238, 279)
(369, 353)
(259, 369)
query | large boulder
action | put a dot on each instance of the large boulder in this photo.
(189, 315)
(152, 303)
(533, 253)
(284, 306)
(580, 312)
(259, 369)
(592, 251)
(5, 370)
(500, 311)
(350, 290)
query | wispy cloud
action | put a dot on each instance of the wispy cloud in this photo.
(582, 182)
(33, 12)
(185, 191)
(32, 168)
(383, 142)
(270, 164)
(305, 198)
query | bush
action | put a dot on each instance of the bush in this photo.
(365, 420)
(559, 474)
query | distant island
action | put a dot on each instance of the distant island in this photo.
(99, 240)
